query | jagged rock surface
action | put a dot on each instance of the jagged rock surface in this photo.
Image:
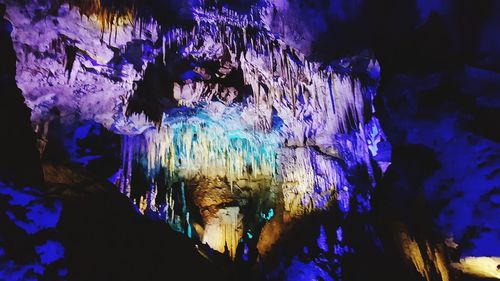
(260, 110)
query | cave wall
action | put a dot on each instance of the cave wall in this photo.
(304, 74)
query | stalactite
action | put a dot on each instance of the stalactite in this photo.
(429, 261)
(123, 178)
(163, 46)
(186, 149)
(109, 14)
(128, 178)
(184, 206)
(151, 197)
(142, 205)
(321, 113)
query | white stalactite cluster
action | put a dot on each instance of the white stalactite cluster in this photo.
(197, 148)
(314, 104)
(306, 104)
(306, 96)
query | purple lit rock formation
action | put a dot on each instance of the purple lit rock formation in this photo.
(260, 111)
(254, 128)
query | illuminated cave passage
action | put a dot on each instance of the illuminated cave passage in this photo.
(249, 140)
(228, 142)
(244, 114)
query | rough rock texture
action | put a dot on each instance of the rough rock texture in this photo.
(69, 62)
(240, 97)
(229, 98)
(439, 64)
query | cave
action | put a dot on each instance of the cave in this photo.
(250, 140)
